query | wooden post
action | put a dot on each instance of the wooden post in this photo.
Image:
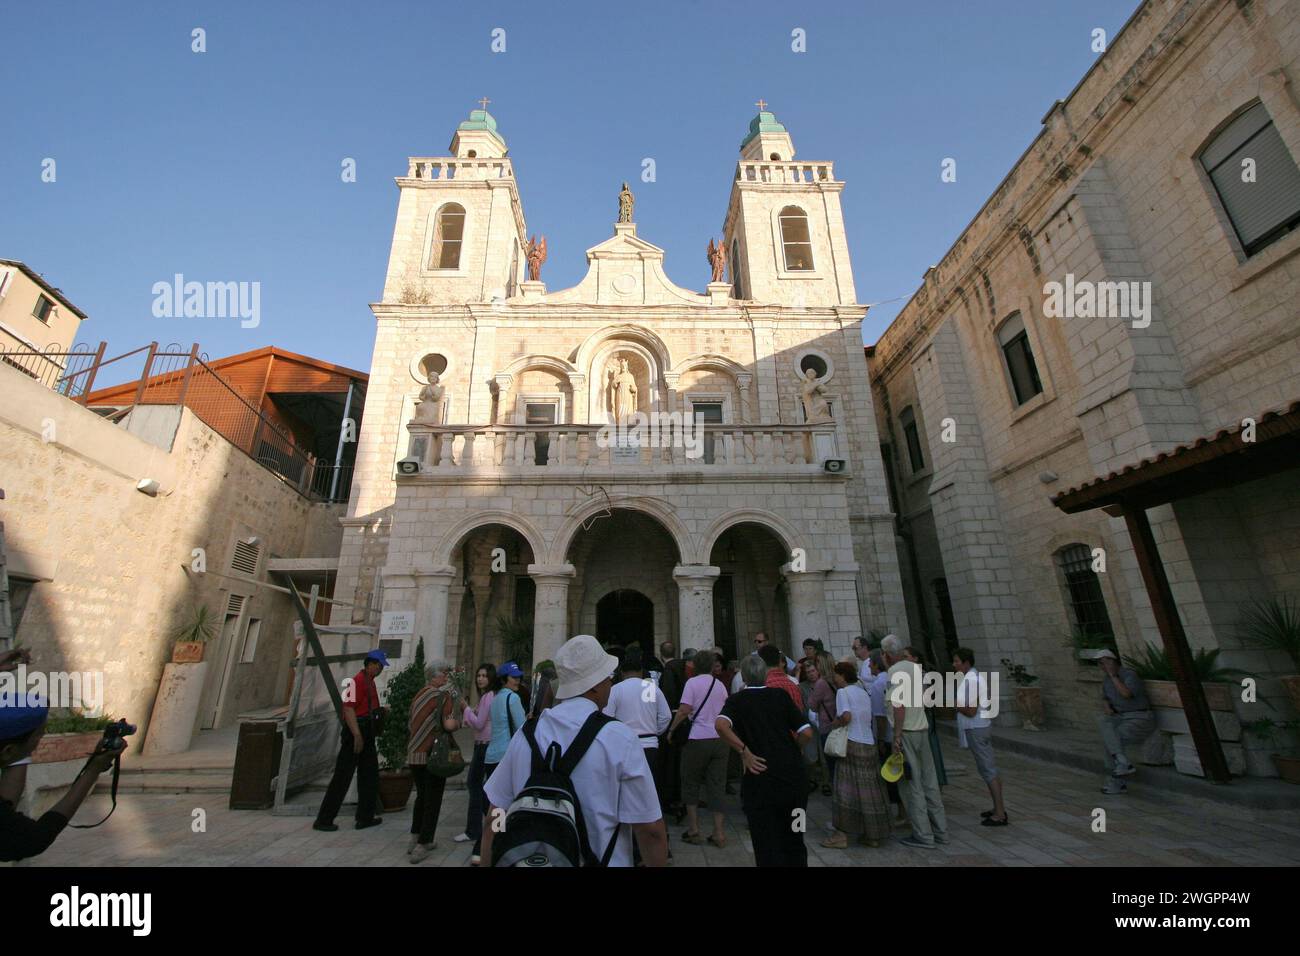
(144, 377)
(90, 377)
(1192, 694)
(189, 373)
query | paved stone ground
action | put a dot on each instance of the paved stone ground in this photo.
(1050, 807)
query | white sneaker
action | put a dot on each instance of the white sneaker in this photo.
(415, 838)
(420, 852)
(1123, 768)
(461, 838)
(1114, 787)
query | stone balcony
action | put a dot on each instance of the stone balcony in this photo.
(447, 167)
(566, 452)
(776, 171)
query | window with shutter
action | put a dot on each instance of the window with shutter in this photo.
(1256, 179)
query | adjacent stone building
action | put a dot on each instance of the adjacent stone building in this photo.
(495, 508)
(1166, 185)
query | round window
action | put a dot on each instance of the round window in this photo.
(814, 362)
(432, 362)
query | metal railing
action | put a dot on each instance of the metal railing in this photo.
(171, 376)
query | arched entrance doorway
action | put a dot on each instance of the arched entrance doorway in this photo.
(626, 617)
(751, 593)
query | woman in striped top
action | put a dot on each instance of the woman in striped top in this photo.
(434, 711)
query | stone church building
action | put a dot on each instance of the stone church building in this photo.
(488, 491)
(1012, 429)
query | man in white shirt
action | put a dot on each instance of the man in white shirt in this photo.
(613, 781)
(863, 654)
(637, 701)
(973, 723)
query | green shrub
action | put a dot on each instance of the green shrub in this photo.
(1152, 663)
(1274, 625)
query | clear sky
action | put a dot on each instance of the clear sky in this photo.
(225, 165)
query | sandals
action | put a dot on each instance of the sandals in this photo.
(991, 821)
(832, 844)
(695, 839)
(720, 844)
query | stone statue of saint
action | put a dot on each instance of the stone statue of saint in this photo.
(622, 392)
(717, 259)
(428, 410)
(536, 255)
(625, 203)
(815, 407)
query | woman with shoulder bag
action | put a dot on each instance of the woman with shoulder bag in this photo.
(704, 757)
(821, 703)
(859, 806)
(507, 714)
(434, 715)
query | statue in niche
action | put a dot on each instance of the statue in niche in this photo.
(428, 410)
(718, 260)
(536, 256)
(815, 407)
(625, 203)
(622, 391)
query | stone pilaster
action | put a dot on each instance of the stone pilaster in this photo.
(807, 607)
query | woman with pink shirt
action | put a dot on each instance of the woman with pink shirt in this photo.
(704, 760)
(480, 718)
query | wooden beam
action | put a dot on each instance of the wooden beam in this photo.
(1190, 691)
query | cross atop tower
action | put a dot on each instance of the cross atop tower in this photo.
(484, 102)
(760, 104)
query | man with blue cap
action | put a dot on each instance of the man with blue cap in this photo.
(357, 752)
(22, 724)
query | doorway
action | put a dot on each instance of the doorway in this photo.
(626, 617)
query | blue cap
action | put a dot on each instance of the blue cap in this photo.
(378, 655)
(20, 714)
(509, 669)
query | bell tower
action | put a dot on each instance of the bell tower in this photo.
(784, 231)
(459, 234)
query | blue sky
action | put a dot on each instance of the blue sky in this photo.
(225, 165)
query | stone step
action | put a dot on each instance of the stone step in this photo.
(160, 782)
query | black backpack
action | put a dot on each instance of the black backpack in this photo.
(544, 825)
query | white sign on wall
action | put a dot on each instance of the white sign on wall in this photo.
(397, 622)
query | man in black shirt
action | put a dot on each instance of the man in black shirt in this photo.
(22, 724)
(767, 729)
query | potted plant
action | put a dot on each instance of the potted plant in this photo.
(190, 639)
(70, 737)
(1157, 674)
(1029, 699)
(1275, 625)
(1088, 645)
(395, 781)
(1271, 731)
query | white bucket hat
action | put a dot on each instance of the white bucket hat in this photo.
(580, 665)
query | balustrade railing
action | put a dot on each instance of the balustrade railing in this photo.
(446, 448)
(776, 171)
(443, 167)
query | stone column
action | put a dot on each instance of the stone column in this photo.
(745, 413)
(695, 604)
(579, 413)
(431, 588)
(550, 609)
(807, 607)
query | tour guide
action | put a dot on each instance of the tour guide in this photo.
(357, 753)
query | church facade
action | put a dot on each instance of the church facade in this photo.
(627, 457)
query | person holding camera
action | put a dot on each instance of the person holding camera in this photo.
(22, 724)
(362, 716)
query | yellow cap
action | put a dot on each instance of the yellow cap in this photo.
(892, 769)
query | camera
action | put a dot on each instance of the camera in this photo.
(112, 741)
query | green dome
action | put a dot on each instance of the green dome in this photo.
(479, 119)
(762, 123)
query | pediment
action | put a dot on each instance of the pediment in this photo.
(626, 270)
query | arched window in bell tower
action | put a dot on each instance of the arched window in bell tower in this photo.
(796, 241)
(447, 234)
